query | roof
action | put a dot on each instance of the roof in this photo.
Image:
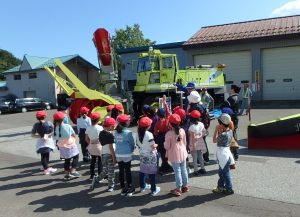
(146, 48)
(39, 62)
(272, 27)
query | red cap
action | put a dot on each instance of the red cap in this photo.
(176, 108)
(84, 110)
(145, 122)
(181, 112)
(95, 116)
(175, 119)
(119, 107)
(109, 122)
(123, 118)
(195, 114)
(59, 116)
(109, 107)
(41, 114)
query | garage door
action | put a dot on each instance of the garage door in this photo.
(238, 65)
(281, 73)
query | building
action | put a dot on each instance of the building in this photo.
(129, 55)
(264, 52)
(30, 79)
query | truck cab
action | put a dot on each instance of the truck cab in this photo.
(155, 71)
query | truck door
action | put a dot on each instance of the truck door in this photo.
(168, 70)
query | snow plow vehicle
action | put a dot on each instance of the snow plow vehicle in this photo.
(157, 72)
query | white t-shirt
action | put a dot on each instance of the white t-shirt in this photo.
(93, 131)
(148, 141)
(200, 131)
(83, 123)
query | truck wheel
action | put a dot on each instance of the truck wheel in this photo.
(0, 112)
(48, 107)
(24, 110)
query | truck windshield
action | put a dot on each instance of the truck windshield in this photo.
(144, 64)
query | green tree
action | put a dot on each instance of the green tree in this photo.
(130, 37)
(7, 61)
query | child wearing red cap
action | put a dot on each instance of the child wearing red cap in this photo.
(197, 144)
(108, 110)
(108, 156)
(66, 137)
(148, 156)
(83, 122)
(43, 130)
(117, 110)
(94, 147)
(161, 127)
(124, 148)
(175, 144)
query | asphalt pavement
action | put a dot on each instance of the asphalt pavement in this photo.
(266, 182)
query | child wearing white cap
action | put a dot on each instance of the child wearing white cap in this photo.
(223, 136)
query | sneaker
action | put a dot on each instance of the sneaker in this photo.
(157, 190)
(176, 192)
(75, 174)
(124, 191)
(130, 191)
(202, 171)
(52, 170)
(185, 189)
(225, 191)
(147, 187)
(110, 189)
(68, 176)
(218, 190)
(99, 180)
(206, 162)
(47, 172)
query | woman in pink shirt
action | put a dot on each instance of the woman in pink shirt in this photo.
(175, 145)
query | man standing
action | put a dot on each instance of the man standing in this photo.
(206, 98)
(187, 90)
(246, 94)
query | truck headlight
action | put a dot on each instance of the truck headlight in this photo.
(154, 78)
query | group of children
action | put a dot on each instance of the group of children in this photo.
(160, 135)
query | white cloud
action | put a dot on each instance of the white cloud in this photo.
(290, 8)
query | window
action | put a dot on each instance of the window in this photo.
(17, 77)
(167, 62)
(32, 75)
(144, 64)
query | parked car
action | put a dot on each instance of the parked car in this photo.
(5, 106)
(26, 104)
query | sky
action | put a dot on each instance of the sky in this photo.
(56, 28)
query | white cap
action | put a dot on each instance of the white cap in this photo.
(194, 97)
(225, 119)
